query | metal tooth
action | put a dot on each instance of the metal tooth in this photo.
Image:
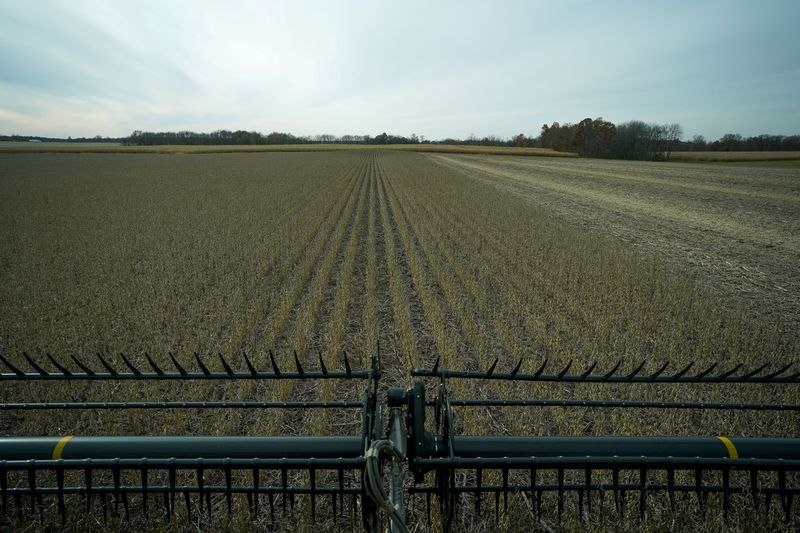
(257, 494)
(754, 372)
(202, 366)
(617, 493)
(177, 365)
(125, 506)
(729, 372)
(87, 478)
(589, 370)
(115, 474)
(560, 481)
(32, 485)
(660, 371)
(312, 476)
(671, 487)
(496, 507)
(14, 369)
(707, 371)
(36, 367)
(534, 493)
(284, 482)
(683, 371)
(516, 368)
(187, 500)
(698, 484)
(778, 372)
(613, 370)
(108, 367)
(271, 498)
(228, 487)
(588, 477)
(250, 367)
(642, 492)
(540, 369)
(340, 476)
(435, 366)
(478, 483)
(143, 473)
(225, 365)
(200, 484)
(347, 368)
(297, 364)
(322, 366)
(505, 489)
(131, 366)
(491, 368)
(335, 510)
(275, 368)
(754, 488)
(60, 368)
(155, 367)
(636, 371)
(565, 370)
(86, 369)
(171, 475)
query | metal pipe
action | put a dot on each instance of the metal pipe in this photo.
(624, 404)
(20, 448)
(34, 406)
(707, 447)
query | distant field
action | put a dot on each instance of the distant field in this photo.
(735, 156)
(736, 229)
(463, 257)
(27, 147)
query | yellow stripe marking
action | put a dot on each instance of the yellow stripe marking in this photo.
(732, 453)
(59, 449)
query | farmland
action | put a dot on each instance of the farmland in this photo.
(463, 257)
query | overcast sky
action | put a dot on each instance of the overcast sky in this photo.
(436, 69)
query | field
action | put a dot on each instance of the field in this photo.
(731, 157)
(106, 148)
(462, 257)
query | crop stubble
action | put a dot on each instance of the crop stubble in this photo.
(325, 252)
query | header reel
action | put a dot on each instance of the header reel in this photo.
(366, 474)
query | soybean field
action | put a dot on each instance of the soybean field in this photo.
(468, 259)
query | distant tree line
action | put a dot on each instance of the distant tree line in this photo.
(589, 138)
(95, 139)
(600, 138)
(140, 138)
(733, 142)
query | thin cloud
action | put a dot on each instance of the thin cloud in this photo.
(435, 69)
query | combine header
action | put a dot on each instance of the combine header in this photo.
(366, 474)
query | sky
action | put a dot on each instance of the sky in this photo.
(437, 69)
